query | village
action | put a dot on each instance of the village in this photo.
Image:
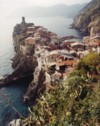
(56, 55)
(56, 58)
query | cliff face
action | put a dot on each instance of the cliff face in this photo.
(88, 17)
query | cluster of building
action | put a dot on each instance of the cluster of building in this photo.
(92, 42)
(62, 57)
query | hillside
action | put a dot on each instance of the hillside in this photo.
(88, 17)
(56, 10)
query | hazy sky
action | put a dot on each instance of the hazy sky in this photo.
(43, 2)
(8, 6)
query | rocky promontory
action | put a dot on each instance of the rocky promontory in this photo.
(28, 39)
(88, 17)
(28, 43)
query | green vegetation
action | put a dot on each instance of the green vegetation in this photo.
(89, 62)
(74, 102)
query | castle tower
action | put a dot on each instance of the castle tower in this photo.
(23, 19)
(92, 32)
(23, 25)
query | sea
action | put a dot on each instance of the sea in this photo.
(13, 95)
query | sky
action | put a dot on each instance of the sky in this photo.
(9, 6)
(42, 2)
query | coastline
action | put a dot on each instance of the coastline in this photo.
(19, 59)
(37, 51)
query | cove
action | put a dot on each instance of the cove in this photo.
(12, 97)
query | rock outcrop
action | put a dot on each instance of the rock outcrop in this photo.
(39, 84)
(23, 64)
(36, 86)
(88, 17)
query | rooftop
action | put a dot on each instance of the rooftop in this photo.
(96, 37)
(67, 62)
(76, 44)
(54, 52)
(30, 38)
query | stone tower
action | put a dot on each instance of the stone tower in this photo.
(23, 20)
(23, 25)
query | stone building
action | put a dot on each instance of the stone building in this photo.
(52, 57)
(30, 45)
(77, 46)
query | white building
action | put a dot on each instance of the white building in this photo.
(30, 29)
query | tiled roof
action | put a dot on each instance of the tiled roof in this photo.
(67, 62)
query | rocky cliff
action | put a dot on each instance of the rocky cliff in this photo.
(23, 64)
(88, 17)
